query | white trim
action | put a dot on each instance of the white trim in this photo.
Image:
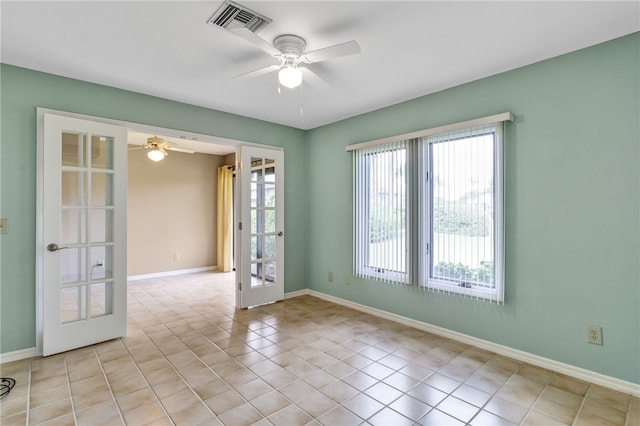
(145, 128)
(297, 293)
(491, 119)
(550, 364)
(18, 355)
(170, 273)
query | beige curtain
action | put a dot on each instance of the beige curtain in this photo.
(224, 245)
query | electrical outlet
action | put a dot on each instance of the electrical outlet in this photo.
(347, 279)
(594, 334)
(330, 277)
(176, 257)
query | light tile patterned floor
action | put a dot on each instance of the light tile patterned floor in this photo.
(190, 358)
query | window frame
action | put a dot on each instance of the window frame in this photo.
(419, 231)
(362, 230)
(426, 279)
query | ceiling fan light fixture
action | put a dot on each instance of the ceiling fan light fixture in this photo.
(290, 76)
(155, 154)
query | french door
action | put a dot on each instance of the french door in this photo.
(260, 227)
(82, 259)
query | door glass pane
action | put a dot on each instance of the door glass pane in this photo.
(269, 221)
(72, 188)
(270, 174)
(256, 195)
(256, 175)
(270, 271)
(269, 195)
(254, 248)
(270, 246)
(101, 299)
(73, 149)
(254, 221)
(101, 229)
(101, 189)
(101, 262)
(72, 265)
(256, 274)
(72, 226)
(102, 152)
(72, 304)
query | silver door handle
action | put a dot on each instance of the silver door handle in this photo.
(54, 247)
(280, 234)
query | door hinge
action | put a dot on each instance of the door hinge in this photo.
(240, 226)
(239, 286)
(427, 248)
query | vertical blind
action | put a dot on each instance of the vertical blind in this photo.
(461, 209)
(380, 212)
(429, 209)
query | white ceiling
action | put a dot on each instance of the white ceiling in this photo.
(409, 49)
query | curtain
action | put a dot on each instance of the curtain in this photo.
(224, 246)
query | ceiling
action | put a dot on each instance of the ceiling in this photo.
(409, 49)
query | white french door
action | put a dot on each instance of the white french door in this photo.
(260, 227)
(82, 263)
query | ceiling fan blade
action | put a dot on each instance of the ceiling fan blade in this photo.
(258, 72)
(257, 41)
(313, 79)
(176, 149)
(138, 147)
(337, 50)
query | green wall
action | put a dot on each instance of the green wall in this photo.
(23, 90)
(572, 208)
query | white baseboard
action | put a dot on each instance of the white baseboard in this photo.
(550, 364)
(170, 273)
(17, 355)
(296, 293)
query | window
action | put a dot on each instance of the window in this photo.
(429, 210)
(381, 212)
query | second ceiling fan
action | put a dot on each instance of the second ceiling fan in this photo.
(290, 52)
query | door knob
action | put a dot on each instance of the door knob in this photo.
(54, 247)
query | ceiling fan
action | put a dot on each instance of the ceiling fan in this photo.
(159, 148)
(290, 52)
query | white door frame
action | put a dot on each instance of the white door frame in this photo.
(248, 294)
(131, 126)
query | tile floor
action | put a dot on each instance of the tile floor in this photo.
(190, 358)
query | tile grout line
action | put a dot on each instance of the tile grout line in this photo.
(29, 393)
(584, 400)
(544, 389)
(106, 379)
(627, 421)
(73, 407)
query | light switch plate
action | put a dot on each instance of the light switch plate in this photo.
(4, 226)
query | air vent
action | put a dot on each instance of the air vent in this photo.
(233, 15)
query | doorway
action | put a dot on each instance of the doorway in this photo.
(172, 208)
(48, 231)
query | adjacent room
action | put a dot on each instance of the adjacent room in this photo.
(336, 213)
